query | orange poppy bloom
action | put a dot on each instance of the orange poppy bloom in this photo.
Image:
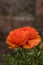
(27, 37)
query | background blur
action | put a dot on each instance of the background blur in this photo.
(18, 13)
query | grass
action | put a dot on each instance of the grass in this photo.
(22, 56)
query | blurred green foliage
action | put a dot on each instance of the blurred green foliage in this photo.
(22, 56)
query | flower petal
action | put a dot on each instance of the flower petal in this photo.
(27, 46)
(19, 37)
(11, 45)
(35, 42)
(32, 43)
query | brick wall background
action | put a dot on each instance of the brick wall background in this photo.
(9, 9)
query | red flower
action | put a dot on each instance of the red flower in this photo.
(27, 37)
